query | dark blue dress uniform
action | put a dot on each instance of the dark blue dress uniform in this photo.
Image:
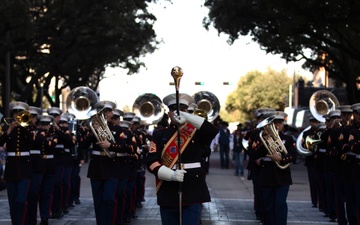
(194, 187)
(38, 170)
(254, 168)
(18, 171)
(275, 181)
(310, 166)
(105, 172)
(354, 145)
(48, 142)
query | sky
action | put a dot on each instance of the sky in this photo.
(203, 55)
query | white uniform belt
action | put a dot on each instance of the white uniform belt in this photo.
(100, 153)
(350, 153)
(18, 153)
(48, 156)
(67, 150)
(35, 152)
(322, 150)
(189, 165)
(266, 158)
(121, 154)
(59, 146)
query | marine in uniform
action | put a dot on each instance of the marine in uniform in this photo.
(18, 168)
(108, 163)
(275, 178)
(309, 162)
(37, 164)
(130, 191)
(253, 141)
(348, 159)
(354, 147)
(162, 159)
(48, 142)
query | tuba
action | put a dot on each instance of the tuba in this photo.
(208, 102)
(81, 102)
(320, 104)
(149, 108)
(270, 138)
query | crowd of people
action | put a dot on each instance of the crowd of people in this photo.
(45, 152)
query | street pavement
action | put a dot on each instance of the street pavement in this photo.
(232, 201)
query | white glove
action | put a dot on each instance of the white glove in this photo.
(195, 120)
(179, 119)
(167, 174)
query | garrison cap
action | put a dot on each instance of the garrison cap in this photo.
(54, 111)
(184, 99)
(105, 105)
(18, 106)
(345, 109)
(34, 110)
(326, 117)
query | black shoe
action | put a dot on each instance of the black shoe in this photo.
(139, 205)
(77, 201)
(314, 206)
(134, 216)
(65, 211)
(44, 222)
(127, 220)
(332, 219)
(72, 205)
(57, 215)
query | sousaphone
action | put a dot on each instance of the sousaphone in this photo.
(208, 102)
(149, 108)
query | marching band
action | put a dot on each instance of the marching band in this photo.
(45, 152)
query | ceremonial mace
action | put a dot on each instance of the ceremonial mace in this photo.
(177, 73)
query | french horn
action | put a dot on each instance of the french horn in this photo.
(149, 108)
(269, 136)
(208, 102)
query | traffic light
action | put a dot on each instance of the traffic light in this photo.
(199, 83)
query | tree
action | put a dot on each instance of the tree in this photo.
(259, 90)
(71, 41)
(324, 33)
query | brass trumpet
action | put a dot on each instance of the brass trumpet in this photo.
(23, 118)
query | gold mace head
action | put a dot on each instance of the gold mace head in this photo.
(177, 73)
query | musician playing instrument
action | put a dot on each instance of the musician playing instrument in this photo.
(162, 159)
(108, 164)
(18, 172)
(354, 147)
(275, 177)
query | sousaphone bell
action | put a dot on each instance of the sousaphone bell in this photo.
(149, 108)
(208, 102)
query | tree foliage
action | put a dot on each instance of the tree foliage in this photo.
(259, 90)
(71, 41)
(324, 33)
